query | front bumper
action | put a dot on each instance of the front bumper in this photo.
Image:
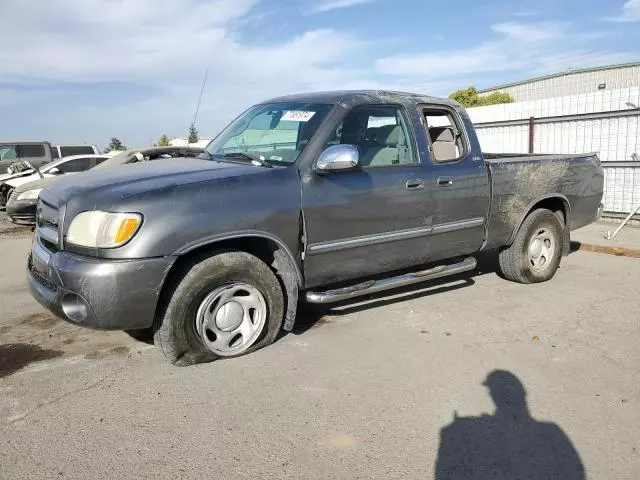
(22, 211)
(97, 293)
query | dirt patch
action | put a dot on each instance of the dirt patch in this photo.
(117, 351)
(43, 321)
(532, 180)
(16, 356)
(340, 441)
(606, 249)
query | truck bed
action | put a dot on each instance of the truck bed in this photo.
(520, 181)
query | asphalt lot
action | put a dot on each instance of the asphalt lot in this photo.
(361, 391)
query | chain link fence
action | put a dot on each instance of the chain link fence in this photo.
(607, 123)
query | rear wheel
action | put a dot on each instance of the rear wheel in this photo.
(534, 256)
(226, 305)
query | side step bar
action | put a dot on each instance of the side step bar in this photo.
(373, 286)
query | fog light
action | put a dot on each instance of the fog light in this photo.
(74, 307)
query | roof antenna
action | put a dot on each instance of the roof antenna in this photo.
(195, 117)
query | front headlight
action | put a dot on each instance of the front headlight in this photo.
(29, 194)
(103, 229)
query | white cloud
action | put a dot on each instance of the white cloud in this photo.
(529, 48)
(164, 46)
(630, 12)
(326, 5)
(160, 49)
(531, 32)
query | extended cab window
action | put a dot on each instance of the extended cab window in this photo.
(445, 134)
(380, 132)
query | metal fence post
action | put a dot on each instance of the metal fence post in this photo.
(532, 134)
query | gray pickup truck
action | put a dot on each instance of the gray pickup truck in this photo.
(319, 197)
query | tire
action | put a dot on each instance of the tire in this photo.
(522, 261)
(207, 287)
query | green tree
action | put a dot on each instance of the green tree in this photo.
(469, 97)
(193, 134)
(115, 145)
(163, 141)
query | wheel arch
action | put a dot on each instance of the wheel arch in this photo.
(267, 247)
(558, 204)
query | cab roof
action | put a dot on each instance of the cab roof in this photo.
(350, 98)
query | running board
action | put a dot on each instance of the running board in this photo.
(374, 286)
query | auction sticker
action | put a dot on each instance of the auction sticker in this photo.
(297, 116)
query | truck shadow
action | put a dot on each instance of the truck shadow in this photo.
(311, 315)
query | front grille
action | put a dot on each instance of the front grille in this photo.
(47, 218)
(52, 287)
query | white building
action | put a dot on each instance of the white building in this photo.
(579, 111)
(183, 142)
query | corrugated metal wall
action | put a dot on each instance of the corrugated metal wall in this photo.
(575, 83)
(612, 129)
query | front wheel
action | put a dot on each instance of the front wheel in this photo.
(534, 256)
(225, 305)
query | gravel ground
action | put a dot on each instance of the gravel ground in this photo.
(360, 391)
(11, 230)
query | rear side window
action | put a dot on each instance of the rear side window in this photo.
(99, 160)
(31, 151)
(448, 144)
(67, 151)
(77, 165)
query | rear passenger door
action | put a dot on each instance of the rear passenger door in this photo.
(375, 219)
(461, 194)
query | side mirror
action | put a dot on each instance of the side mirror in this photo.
(54, 171)
(338, 158)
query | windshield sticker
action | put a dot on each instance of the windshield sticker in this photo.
(297, 116)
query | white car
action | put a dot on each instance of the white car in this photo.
(66, 165)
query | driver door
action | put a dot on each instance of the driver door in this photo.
(374, 219)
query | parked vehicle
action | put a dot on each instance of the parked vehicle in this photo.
(21, 207)
(61, 151)
(73, 164)
(36, 153)
(324, 196)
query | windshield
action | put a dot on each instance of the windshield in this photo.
(277, 132)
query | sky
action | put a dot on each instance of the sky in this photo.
(76, 71)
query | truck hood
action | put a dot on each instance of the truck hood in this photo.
(137, 178)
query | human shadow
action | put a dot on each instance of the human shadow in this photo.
(508, 445)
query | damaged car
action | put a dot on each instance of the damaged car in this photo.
(21, 206)
(24, 172)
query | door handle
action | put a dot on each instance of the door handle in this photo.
(414, 185)
(445, 181)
